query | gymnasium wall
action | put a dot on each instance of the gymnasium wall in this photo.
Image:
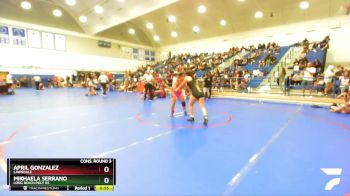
(337, 27)
(82, 53)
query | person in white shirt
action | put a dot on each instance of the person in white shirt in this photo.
(256, 73)
(9, 82)
(103, 80)
(328, 79)
(308, 79)
(148, 79)
(344, 81)
(37, 81)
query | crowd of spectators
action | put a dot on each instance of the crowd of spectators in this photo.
(212, 72)
(312, 75)
(208, 65)
(309, 75)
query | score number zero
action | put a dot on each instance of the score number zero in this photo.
(106, 170)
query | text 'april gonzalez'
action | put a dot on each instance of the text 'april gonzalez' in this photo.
(25, 169)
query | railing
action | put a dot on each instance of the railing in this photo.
(321, 87)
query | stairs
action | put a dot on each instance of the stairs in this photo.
(293, 53)
(256, 82)
(269, 81)
(229, 61)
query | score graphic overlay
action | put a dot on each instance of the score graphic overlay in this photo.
(90, 174)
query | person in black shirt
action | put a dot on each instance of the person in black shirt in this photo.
(49, 82)
(208, 81)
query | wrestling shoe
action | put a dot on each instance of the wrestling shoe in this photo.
(205, 122)
(191, 119)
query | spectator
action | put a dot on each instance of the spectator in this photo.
(49, 82)
(318, 65)
(41, 86)
(55, 81)
(242, 87)
(345, 108)
(344, 81)
(37, 81)
(324, 44)
(103, 80)
(308, 78)
(9, 80)
(305, 42)
(160, 91)
(126, 82)
(90, 86)
(328, 79)
(208, 80)
(68, 82)
(297, 78)
(256, 73)
(247, 76)
(340, 71)
(320, 85)
(287, 83)
(9, 83)
(281, 77)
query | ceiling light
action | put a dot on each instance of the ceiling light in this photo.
(83, 19)
(149, 25)
(121, 1)
(201, 9)
(131, 31)
(171, 19)
(223, 22)
(304, 5)
(173, 34)
(71, 2)
(57, 12)
(98, 9)
(259, 14)
(195, 29)
(241, 0)
(156, 38)
(26, 5)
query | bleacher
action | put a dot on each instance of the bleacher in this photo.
(256, 81)
(311, 57)
(319, 54)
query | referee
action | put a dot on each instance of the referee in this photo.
(148, 79)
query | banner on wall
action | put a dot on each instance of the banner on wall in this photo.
(17, 32)
(34, 39)
(4, 35)
(149, 55)
(127, 50)
(153, 55)
(4, 30)
(19, 36)
(60, 42)
(135, 52)
(47, 40)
